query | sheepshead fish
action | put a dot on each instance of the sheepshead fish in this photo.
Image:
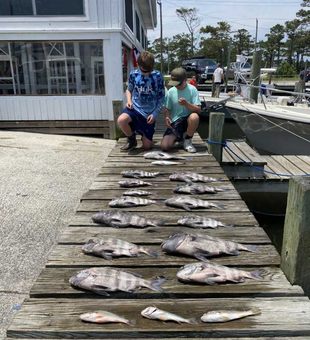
(136, 192)
(119, 219)
(165, 163)
(113, 247)
(135, 183)
(139, 174)
(228, 315)
(105, 317)
(211, 274)
(105, 279)
(203, 246)
(155, 313)
(196, 189)
(161, 155)
(188, 176)
(195, 221)
(126, 202)
(189, 203)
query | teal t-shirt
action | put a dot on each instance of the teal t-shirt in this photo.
(190, 93)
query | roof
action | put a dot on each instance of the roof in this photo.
(149, 12)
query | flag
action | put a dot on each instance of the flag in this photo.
(135, 55)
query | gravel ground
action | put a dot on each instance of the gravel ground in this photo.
(42, 180)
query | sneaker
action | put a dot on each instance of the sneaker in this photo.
(131, 143)
(188, 146)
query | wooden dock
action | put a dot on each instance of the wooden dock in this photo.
(53, 308)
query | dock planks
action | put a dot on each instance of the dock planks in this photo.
(53, 309)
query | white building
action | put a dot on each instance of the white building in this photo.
(63, 62)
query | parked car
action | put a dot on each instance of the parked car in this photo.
(203, 68)
(243, 67)
(307, 76)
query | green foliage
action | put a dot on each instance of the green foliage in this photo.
(285, 69)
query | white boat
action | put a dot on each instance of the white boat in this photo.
(274, 129)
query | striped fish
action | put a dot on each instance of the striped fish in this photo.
(135, 183)
(162, 155)
(113, 247)
(136, 192)
(102, 280)
(127, 202)
(196, 189)
(188, 176)
(188, 203)
(195, 221)
(139, 174)
(118, 219)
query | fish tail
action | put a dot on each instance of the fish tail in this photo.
(220, 206)
(252, 249)
(152, 253)
(256, 275)
(218, 179)
(131, 323)
(155, 285)
(193, 321)
(154, 185)
(160, 223)
(229, 225)
(256, 311)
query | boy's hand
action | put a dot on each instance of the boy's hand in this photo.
(129, 105)
(182, 101)
(168, 122)
(150, 119)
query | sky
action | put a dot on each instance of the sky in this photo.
(240, 14)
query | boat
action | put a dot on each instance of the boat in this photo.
(273, 128)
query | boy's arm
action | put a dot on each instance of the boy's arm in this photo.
(129, 102)
(191, 107)
(168, 118)
(160, 97)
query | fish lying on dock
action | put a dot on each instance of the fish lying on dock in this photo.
(188, 203)
(165, 163)
(105, 317)
(119, 219)
(211, 274)
(203, 246)
(155, 313)
(162, 155)
(136, 192)
(195, 221)
(228, 315)
(102, 280)
(135, 183)
(139, 174)
(127, 202)
(112, 247)
(187, 176)
(197, 189)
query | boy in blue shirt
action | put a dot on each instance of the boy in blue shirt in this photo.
(183, 107)
(145, 95)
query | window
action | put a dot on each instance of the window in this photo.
(137, 27)
(41, 7)
(51, 68)
(129, 16)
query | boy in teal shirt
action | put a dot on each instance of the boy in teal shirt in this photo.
(182, 112)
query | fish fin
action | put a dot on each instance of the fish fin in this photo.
(252, 249)
(134, 274)
(202, 256)
(185, 207)
(220, 206)
(155, 284)
(256, 310)
(114, 225)
(152, 253)
(256, 275)
(160, 223)
(106, 255)
(193, 321)
(132, 323)
(188, 181)
(101, 290)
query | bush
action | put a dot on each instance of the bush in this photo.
(285, 69)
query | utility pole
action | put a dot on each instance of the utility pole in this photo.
(256, 35)
(168, 52)
(161, 35)
(228, 64)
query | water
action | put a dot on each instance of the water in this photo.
(268, 208)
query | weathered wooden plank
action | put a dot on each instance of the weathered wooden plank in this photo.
(143, 165)
(148, 338)
(268, 175)
(227, 159)
(240, 218)
(96, 205)
(251, 154)
(72, 256)
(289, 166)
(302, 165)
(54, 282)
(80, 235)
(159, 194)
(282, 316)
(237, 151)
(306, 159)
(190, 160)
(276, 167)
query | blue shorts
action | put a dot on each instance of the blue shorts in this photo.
(138, 124)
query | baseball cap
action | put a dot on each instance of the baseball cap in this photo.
(177, 76)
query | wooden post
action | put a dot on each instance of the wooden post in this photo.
(228, 65)
(255, 74)
(296, 238)
(216, 126)
(117, 110)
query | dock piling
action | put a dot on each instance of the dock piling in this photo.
(118, 106)
(256, 66)
(216, 126)
(296, 238)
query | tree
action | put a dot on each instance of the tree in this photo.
(274, 39)
(190, 17)
(291, 30)
(304, 14)
(242, 41)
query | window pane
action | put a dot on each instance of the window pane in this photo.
(137, 27)
(129, 16)
(16, 7)
(59, 7)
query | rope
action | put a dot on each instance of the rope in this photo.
(224, 144)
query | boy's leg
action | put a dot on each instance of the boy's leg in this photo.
(146, 143)
(168, 141)
(123, 122)
(192, 125)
